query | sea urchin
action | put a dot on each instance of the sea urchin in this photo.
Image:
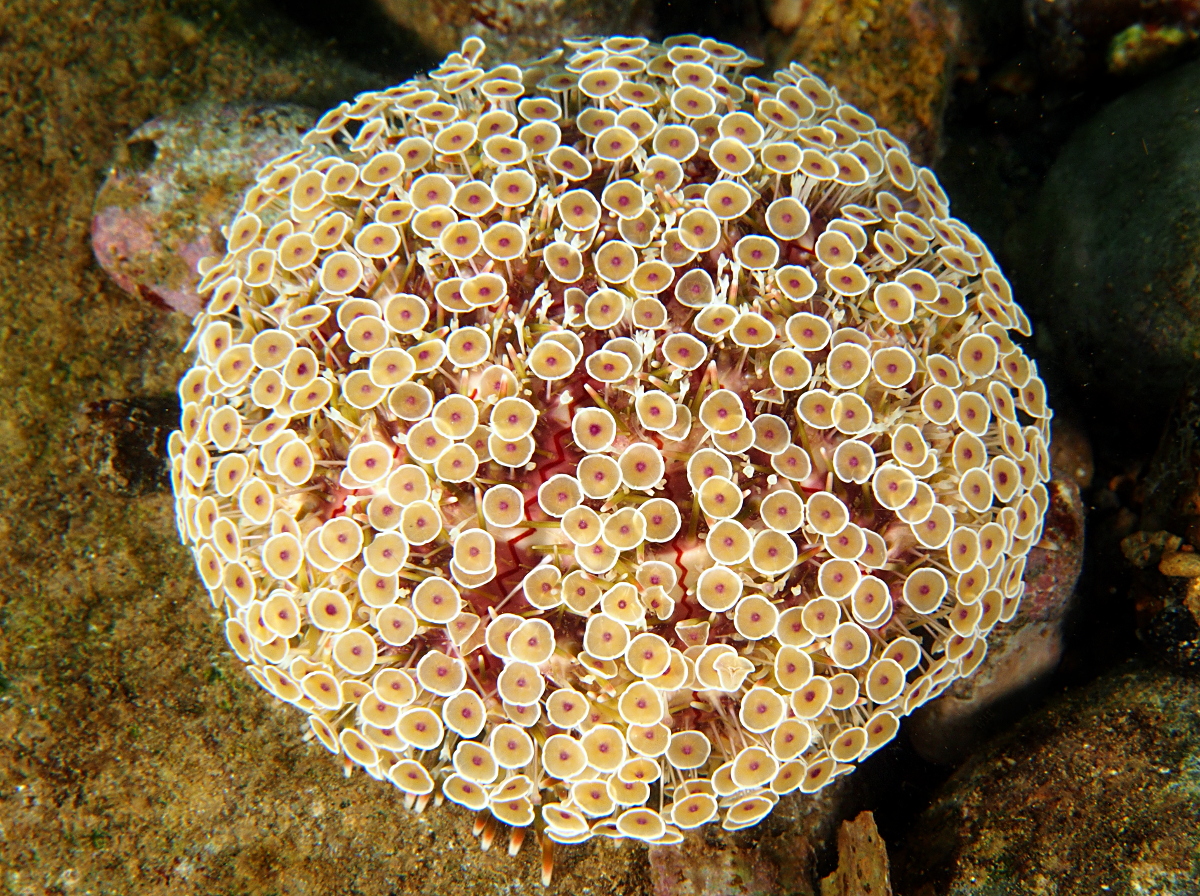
(613, 443)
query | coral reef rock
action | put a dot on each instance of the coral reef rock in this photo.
(1098, 793)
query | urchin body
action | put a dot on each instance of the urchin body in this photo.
(613, 444)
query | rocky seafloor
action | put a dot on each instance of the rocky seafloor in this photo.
(136, 757)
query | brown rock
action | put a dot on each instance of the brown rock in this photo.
(1054, 563)
(515, 30)
(862, 861)
(693, 869)
(125, 441)
(774, 858)
(1185, 564)
(1191, 600)
(1098, 793)
(1144, 549)
(1071, 451)
(892, 58)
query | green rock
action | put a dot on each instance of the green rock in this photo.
(1109, 265)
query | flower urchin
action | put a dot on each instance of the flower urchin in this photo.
(613, 444)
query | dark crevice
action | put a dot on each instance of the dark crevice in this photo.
(359, 31)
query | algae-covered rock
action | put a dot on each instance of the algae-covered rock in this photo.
(891, 58)
(175, 181)
(1098, 793)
